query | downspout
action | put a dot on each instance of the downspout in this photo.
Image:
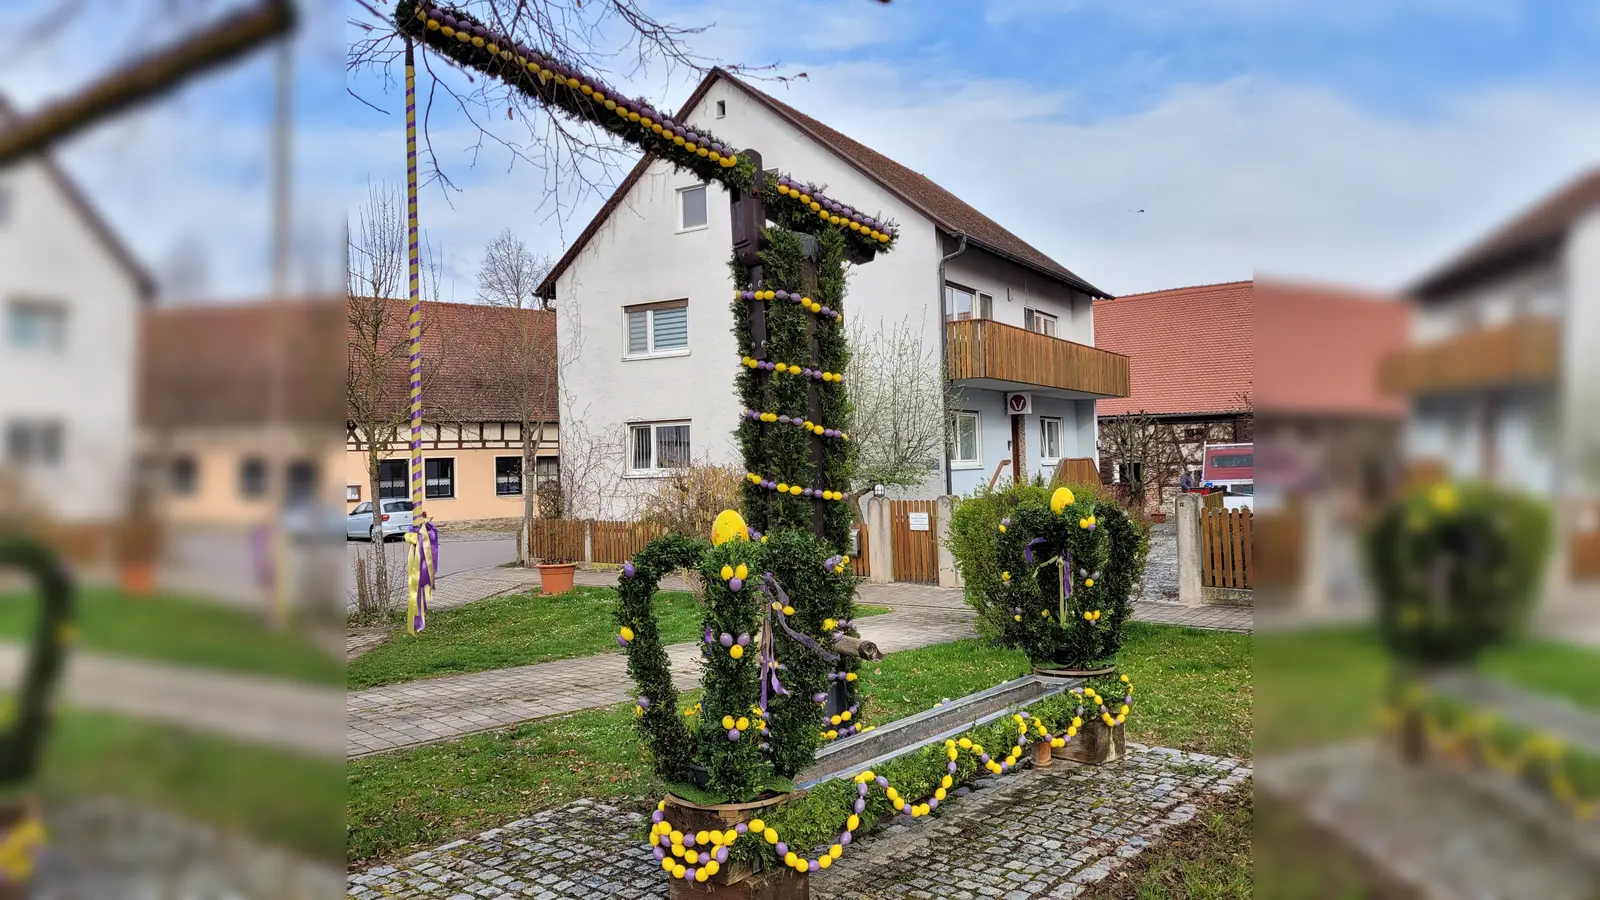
(944, 363)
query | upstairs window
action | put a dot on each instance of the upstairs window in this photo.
(964, 303)
(1041, 322)
(658, 329)
(722, 109)
(33, 443)
(692, 208)
(38, 325)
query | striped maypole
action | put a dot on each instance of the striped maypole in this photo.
(422, 552)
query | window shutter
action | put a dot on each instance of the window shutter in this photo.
(672, 328)
(638, 333)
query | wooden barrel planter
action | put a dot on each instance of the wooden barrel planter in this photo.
(1095, 743)
(734, 879)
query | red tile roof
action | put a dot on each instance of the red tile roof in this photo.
(1317, 350)
(1539, 229)
(1189, 349)
(947, 211)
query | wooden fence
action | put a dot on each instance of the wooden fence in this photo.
(599, 541)
(916, 553)
(1226, 549)
(558, 539)
(858, 563)
(617, 542)
(1077, 470)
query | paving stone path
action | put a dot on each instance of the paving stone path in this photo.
(1041, 834)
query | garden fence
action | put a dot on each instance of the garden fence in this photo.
(1226, 549)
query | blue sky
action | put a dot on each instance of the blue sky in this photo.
(1358, 141)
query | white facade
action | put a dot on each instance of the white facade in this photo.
(69, 334)
(642, 254)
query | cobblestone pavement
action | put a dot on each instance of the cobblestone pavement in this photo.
(1041, 834)
(1213, 617)
(420, 712)
(1433, 829)
(1160, 581)
(287, 714)
(103, 848)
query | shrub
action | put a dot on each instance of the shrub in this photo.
(688, 500)
(1456, 569)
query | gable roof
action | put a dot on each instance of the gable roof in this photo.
(86, 211)
(1538, 231)
(471, 351)
(946, 210)
(1318, 348)
(1190, 349)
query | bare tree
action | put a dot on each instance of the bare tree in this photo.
(900, 400)
(1144, 451)
(526, 363)
(377, 380)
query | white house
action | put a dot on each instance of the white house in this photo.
(1503, 375)
(648, 355)
(70, 301)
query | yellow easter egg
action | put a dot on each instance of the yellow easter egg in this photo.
(736, 651)
(727, 572)
(1061, 499)
(743, 571)
(729, 526)
(627, 633)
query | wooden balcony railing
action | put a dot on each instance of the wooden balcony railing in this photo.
(1522, 352)
(978, 348)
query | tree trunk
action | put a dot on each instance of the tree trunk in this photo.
(378, 596)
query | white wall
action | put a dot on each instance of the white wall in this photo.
(47, 251)
(1015, 287)
(637, 257)
(994, 437)
(1580, 412)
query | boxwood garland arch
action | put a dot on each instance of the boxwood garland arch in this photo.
(19, 746)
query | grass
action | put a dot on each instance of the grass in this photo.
(1325, 684)
(184, 631)
(1205, 858)
(411, 799)
(519, 630)
(277, 796)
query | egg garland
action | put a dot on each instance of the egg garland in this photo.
(808, 197)
(806, 303)
(780, 368)
(795, 490)
(797, 421)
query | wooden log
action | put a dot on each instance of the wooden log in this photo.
(857, 647)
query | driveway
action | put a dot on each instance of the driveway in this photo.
(458, 552)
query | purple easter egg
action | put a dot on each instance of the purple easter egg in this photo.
(819, 698)
(861, 806)
(644, 703)
(984, 759)
(692, 138)
(784, 180)
(688, 840)
(826, 311)
(722, 854)
(856, 218)
(952, 767)
(741, 828)
(735, 584)
(883, 782)
(660, 854)
(812, 866)
(782, 848)
(1005, 766)
(622, 641)
(1091, 526)
(742, 640)
(861, 789)
(733, 734)
(806, 493)
(847, 837)
(782, 295)
(658, 815)
(688, 874)
(726, 640)
(783, 419)
(933, 802)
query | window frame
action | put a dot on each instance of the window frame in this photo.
(655, 470)
(405, 479)
(1033, 317)
(358, 511)
(649, 310)
(246, 465)
(521, 478)
(352, 493)
(678, 206)
(1043, 438)
(722, 109)
(184, 464)
(55, 311)
(956, 462)
(426, 495)
(23, 441)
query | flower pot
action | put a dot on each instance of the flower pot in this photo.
(735, 879)
(1095, 743)
(1158, 517)
(555, 578)
(1043, 754)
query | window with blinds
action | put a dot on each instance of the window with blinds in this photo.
(658, 329)
(692, 208)
(654, 446)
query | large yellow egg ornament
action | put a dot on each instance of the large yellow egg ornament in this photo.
(729, 526)
(1061, 499)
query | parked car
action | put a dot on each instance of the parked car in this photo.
(311, 523)
(394, 520)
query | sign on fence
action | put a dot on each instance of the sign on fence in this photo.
(918, 521)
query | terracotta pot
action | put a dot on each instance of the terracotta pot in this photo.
(555, 578)
(1158, 517)
(1043, 754)
(137, 578)
(1095, 743)
(734, 879)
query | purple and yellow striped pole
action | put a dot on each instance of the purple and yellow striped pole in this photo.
(421, 565)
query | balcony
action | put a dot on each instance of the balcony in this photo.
(1003, 357)
(1521, 352)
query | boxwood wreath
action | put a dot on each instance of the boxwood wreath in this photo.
(1067, 566)
(20, 744)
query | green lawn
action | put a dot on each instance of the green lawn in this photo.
(181, 630)
(276, 796)
(1206, 858)
(519, 630)
(1325, 684)
(410, 799)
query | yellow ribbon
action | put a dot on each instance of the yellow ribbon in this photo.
(20, 848)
